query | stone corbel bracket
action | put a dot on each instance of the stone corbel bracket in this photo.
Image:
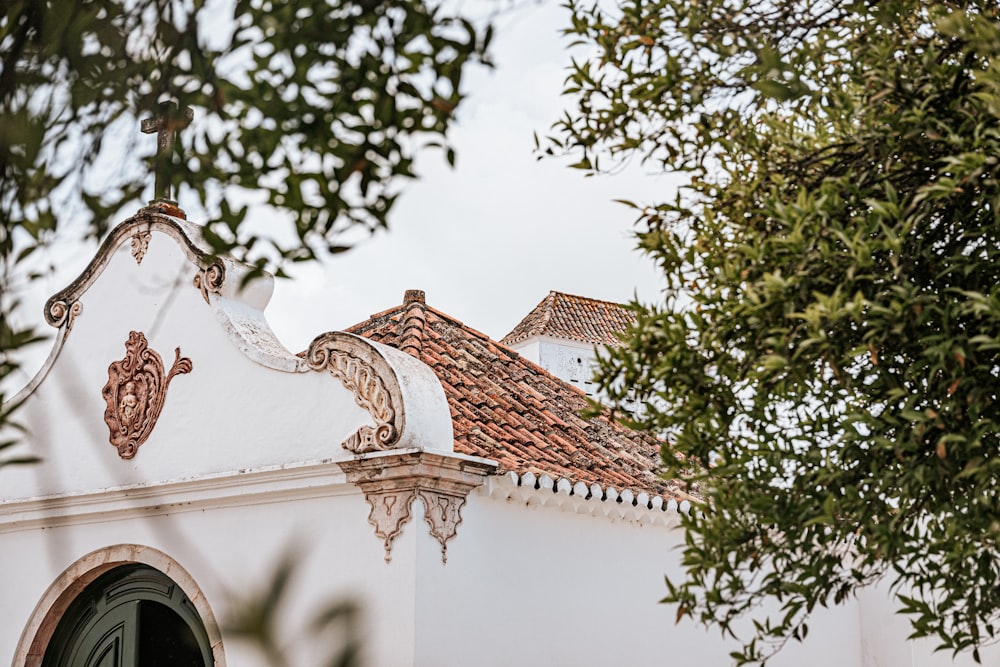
(391, 481)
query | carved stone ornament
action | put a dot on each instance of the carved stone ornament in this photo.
(210, 279)
(390, 512)
(58, 313)
(392, 481)
(135, 392)
(362, 370)
(140, 244)
(443, 513)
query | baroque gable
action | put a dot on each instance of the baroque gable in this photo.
(164, 368)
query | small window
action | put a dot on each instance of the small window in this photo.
(132, 616)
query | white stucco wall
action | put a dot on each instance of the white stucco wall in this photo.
(221, 416)
(885, 644)
(571, 361)
(230, 542)
(219, 413)
(532, 578)
(548, 585)
(240, 466)
(541, 578)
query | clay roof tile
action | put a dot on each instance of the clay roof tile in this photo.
(574, 317)
(510, 410)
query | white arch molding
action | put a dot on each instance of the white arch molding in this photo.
(68, 585)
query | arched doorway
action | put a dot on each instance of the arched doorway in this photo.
(130, 616)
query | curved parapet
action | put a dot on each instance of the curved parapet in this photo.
(62, 306)
(383, 381)
(147, 313)
(222, 281)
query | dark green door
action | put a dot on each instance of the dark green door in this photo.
(133, 616)
(109, 642)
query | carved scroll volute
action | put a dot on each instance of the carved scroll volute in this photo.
(135, 392)
(210, 279)
(363, 371)
(58, 312)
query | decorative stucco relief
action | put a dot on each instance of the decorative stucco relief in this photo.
(392, 481)
(140, 244)
(135, 392)
(235, 301)
(61, 312)
(443, 513)
(210, 280)
(390, 512)
(363, 371)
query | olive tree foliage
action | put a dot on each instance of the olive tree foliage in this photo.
(826, 365)
(314, 107)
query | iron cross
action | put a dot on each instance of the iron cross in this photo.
(166, 126)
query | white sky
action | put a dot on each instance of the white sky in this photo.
(486, 240)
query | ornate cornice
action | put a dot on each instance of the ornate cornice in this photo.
(392, 481)
(363, 370)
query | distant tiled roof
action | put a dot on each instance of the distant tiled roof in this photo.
(510, 410)
(575, 317)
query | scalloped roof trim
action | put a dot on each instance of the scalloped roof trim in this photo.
(595, 499)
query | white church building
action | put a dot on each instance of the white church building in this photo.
(442, 480)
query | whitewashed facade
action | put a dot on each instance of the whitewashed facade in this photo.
(344, 455)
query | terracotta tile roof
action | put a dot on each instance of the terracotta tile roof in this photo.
(510, 410)
(575, 317)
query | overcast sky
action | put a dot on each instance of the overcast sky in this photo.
(488, 239)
